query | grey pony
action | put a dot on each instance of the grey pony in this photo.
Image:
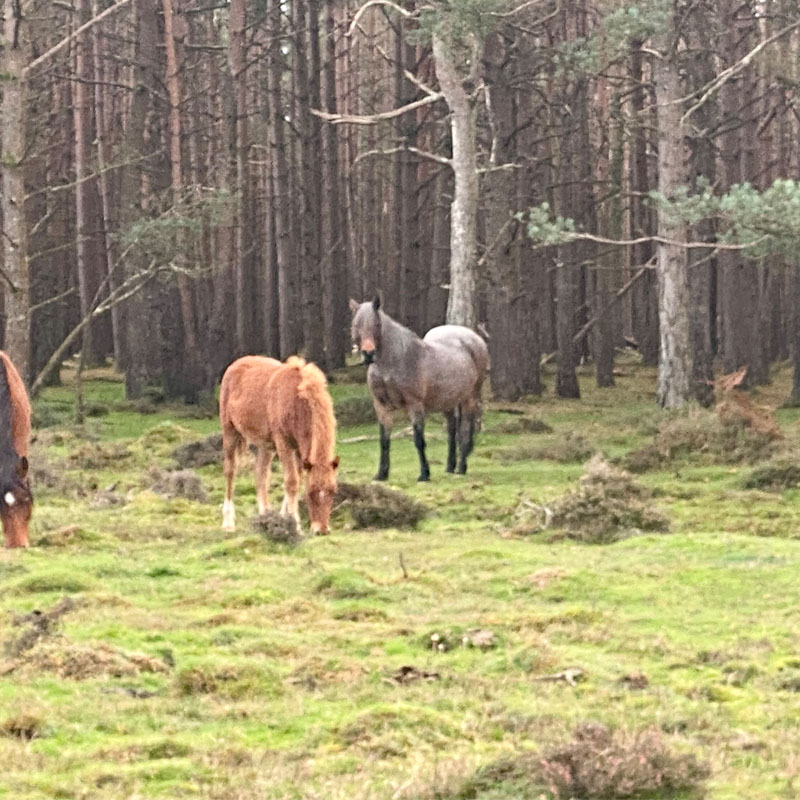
(444, 372)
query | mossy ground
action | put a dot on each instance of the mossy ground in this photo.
(255, 670)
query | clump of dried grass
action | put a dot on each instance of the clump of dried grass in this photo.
(775, 476)
(597, 764)
(277, 528)
(199, 453)
(372, 505)
(184, 483)
(23, 727)
(607, 505)
(83, 661)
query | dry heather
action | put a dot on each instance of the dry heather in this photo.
(606, 506)
(738, 433)
(597, 764)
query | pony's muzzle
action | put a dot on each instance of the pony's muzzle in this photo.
(368, 356)
(318, 530)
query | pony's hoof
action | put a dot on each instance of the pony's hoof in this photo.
(381, 477)
(228, 527)
(423, 478)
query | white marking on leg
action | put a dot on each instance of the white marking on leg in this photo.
(228, 516)
(9, 498)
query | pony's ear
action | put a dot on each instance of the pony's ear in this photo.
(354, 305)
(376, 303)
(307, 466)
(335, 462)
(22, 467)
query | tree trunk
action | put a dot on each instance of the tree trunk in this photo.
(141, 347)
(462, 302)
(675, 367)
(15, 232)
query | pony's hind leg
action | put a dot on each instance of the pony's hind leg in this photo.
(232, 444)
(466, 435)
(264, 456)
(452, 430)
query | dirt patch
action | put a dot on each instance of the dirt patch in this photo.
(184, 483)
(774, 477)
(107, 498)
(726, 437)
(84, 661)
(199, 453)
(356, 410)
(61, 537)
(37, 625)
(277, 528)
(371, 505)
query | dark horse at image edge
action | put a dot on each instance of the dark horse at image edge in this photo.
(444, 372)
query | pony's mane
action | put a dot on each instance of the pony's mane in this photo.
(313, 389)
(8, 456)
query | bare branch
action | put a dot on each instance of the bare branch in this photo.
(421, 153)
(67, 39)
(389, 3)
(720, 80)
(589, 237)
(374, 119)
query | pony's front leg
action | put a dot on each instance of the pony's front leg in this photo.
(385, 419)
(418, 423)
(264, 456)
(291, 480)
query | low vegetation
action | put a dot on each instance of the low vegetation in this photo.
(432, 646)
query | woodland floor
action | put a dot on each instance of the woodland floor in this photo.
(195, 663)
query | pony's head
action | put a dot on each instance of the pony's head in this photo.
(16, 503)
(320, 493)
(366, 328)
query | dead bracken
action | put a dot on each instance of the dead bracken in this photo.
(371, 505)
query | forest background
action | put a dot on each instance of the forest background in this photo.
(185, 182)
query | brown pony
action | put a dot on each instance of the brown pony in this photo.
(16, 501)
(283, 408)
